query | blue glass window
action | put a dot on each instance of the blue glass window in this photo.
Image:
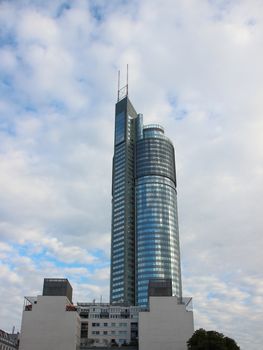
(119, 128)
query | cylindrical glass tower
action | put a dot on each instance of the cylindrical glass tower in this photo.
(156, 228)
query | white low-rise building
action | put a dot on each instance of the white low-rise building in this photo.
(52, 322)
(49, 323)
(167, 325)
(103, 324)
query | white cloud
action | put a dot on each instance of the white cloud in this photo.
(67, 254)
(227, 305)
(102, 274)
(9, 276)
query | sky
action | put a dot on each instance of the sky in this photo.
(195, 67)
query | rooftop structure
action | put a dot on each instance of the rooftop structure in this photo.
(57, 287)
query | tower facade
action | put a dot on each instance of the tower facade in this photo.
(123, 206)
(145, 237)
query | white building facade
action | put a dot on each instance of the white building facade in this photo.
(49, 322)
(167, 325)
(103, 324)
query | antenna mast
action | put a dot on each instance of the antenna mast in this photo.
(127, 83)
(123, 91)
(119, 84)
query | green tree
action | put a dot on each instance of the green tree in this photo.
(210, 340)
(231, 344)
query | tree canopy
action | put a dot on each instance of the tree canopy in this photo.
(210, 340)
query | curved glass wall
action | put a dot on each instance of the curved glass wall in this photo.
(157, 236)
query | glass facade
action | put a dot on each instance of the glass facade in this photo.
(123, 220)
(157, 236)
(145, 237)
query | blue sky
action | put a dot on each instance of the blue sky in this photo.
(195, 68)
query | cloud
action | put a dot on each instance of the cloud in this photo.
(194, 68)
(231, 305)
(23, 268)
(66, 254)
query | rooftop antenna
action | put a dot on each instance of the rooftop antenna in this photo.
(119, 73)
(127, 82)
(123, 91)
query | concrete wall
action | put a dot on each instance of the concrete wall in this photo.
(167, 326)
(49, 326)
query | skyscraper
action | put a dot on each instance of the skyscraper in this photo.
(145, 237)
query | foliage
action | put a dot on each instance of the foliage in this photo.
(210, 340)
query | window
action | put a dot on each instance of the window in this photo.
(96, 332)
(119, 127)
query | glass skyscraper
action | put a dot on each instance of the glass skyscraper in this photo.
(145, 237)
